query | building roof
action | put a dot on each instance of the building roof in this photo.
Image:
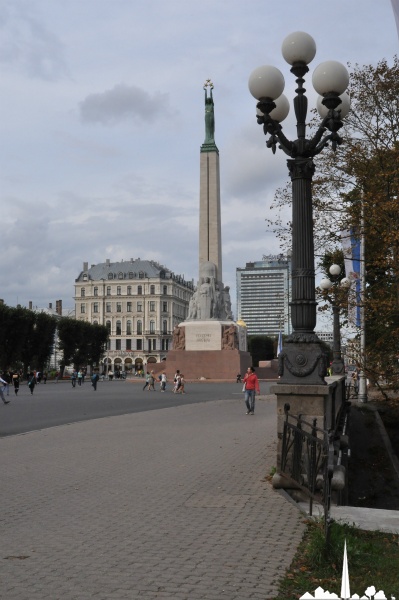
(129, 270)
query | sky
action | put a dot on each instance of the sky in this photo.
(102, 119)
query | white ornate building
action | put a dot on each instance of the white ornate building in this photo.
(140, 302)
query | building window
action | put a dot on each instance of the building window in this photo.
(140, 290)
(141, 275)
(128, 306)
(95, 307)
(152, 289)
(164, 327)
(118, 328)
(83, 308)
(119, 307)
(118, 344)
(95, 291)
(108, 307)
(152, 306)
(128, 328)
(165, 344)
(139, 327)
(152, 326)
(165, 290)
(108, 290)
(130, 274)
(128, 344)
(110, 276)
(119, 291)
(129, 290)
(120, 275)
(108, 326)
(164, 306)
(139, 307)
(95, 322)
(139, 344)
(82, 292)
(149, 345)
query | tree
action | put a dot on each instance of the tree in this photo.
(363, 177)
(81, 342)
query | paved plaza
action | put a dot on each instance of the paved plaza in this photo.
(169, 503)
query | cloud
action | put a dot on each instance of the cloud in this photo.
(124, 102)
(27, 43)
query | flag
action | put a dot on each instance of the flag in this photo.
(351, 250)
(395, 6)
(280, 343)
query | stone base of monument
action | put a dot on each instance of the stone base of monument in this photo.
(207, 364)
(209, 349)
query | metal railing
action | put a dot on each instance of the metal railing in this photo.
(307, 460)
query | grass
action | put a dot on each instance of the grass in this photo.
(373, 560)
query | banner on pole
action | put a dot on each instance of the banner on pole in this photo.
(351, 250)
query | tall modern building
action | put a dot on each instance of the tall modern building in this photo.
(140, 302)
(263, 295)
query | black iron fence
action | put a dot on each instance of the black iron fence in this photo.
(311, 455)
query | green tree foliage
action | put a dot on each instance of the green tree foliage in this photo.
(261, 347)
(364, 175)
(81, 343)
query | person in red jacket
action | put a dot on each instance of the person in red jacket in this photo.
(251, 387)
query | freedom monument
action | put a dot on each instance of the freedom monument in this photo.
(209, 344)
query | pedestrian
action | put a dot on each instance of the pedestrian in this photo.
(94, 378)
(7, 379)
(2, 390)
(31, 382)
(163, 381)
(45, 375)
(147, 380)
(180, 389)
(80, 377)
(15, 382)
(73, 378)
(251, 383)
(238, 378)
(176, 381)
(151, 382)
(355, 382)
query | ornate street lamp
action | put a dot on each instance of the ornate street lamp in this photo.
(338, 366)
(302, 360)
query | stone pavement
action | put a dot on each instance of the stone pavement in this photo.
(163, 504)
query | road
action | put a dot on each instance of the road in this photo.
(54, 404)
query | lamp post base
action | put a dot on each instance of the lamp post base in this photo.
(302, 362)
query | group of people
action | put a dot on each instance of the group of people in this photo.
(13, 378)
(178, 382)
(79, 376)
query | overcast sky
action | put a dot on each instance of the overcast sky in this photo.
(102, 119)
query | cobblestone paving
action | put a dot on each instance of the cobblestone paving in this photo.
(164, 504)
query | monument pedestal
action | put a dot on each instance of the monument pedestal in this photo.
(209, 349)
(208, 364)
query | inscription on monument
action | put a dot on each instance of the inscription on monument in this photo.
(203, 336)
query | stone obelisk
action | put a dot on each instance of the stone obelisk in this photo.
(208, 344)
(210, 230)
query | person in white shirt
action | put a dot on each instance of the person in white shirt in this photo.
(2, 389)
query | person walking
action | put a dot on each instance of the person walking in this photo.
(31, 382)
(2, 381)
(163, 381)
(151, 382)
(15, 382)
(94, 378)
(80, 377)
(251, 382)
(176, 381)
(73, 378)
(180, 389)
(147, 380)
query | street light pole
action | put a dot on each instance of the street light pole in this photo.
(302, 360)
(338, 365)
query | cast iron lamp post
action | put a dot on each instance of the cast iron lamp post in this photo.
(302, 360)
(338, 366)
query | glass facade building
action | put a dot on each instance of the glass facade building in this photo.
(263, 295)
